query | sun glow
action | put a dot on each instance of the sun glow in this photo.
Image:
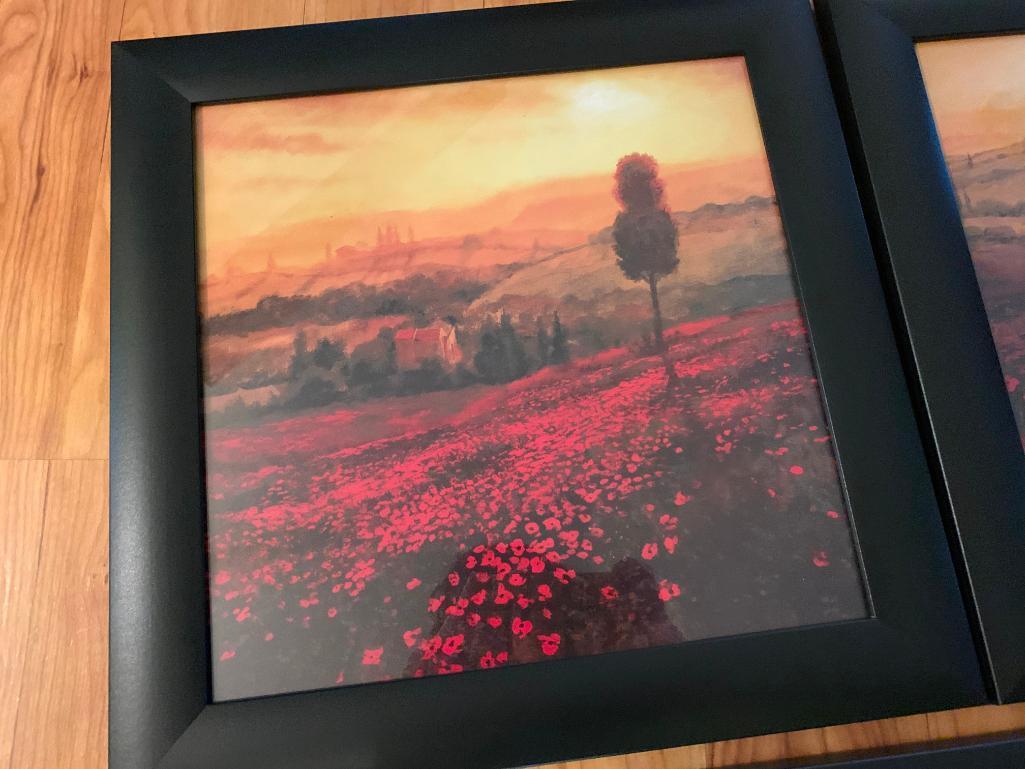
(601, 97)
(291, 175)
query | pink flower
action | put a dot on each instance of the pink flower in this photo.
(409, 637)
(667, 590)
(430, 647)
(372, 656)
(549, 643)
(453, 644)
(649, 551)
(521, 627)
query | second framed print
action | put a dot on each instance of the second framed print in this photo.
(543, 400)
(935, 98)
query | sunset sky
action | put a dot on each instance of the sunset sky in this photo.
(977, 91)
(335, 160)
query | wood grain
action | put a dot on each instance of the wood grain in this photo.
(160, 18)
(55, 85)
(344, 10)
(54, 241)
(22, 500)
(62, 720)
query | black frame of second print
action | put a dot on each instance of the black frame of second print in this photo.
(965, 413)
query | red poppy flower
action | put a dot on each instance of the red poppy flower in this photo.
(453, 644)
(521, 627)
(549, 643)
(409, 637)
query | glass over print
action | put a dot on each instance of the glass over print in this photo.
(501, 372)
(976, 88)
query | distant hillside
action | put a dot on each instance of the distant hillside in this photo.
(732, 257)
(717, 243)
(991, 192)
(478, 256)
(326, 253)
(992, 182)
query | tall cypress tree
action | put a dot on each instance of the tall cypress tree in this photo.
(645, 237)
(489, 360)
(515, 356)
(560, 343)
(300, 356)
(544, 342)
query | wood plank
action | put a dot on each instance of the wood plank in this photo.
(692, 757)
(62, 715)
(689, 757)
(160, 18)
(22, 501)
(54, 77)
(507, 3)
(812, 742)
(83, 426)
(318, 11)
(970, 722)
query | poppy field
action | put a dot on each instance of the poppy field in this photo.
(588, 507)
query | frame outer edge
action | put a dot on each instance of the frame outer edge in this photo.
(915, 496)
(159, 664)
(169, 663)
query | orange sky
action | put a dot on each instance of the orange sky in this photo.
(977, 90)
(268, 166)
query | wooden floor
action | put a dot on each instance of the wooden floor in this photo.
(54, 200)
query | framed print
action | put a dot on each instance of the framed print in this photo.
(475, 432)
(500, 387)
(935, 101)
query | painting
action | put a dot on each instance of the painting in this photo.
(976, 88)
(503, 372)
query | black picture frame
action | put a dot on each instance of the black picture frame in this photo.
(915, 653)
(965, 413)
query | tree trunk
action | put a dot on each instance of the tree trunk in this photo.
(656, 321)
